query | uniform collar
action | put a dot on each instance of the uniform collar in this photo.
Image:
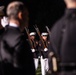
(70, 12)
(13, 24)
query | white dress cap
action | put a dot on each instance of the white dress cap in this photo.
(44, 34)
(32, 33)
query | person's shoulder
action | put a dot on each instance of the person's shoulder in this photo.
(59, 21)
(12, 36)
(58, 24)
(11, 33)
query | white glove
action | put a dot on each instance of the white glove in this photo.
(45, 49)
(33, 50)
(4, 21)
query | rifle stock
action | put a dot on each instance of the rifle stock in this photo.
(54, 59)
(38, 32)
(27, 31)
(32, 47)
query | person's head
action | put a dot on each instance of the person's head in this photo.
(70, 3)
(44, 35)
(1, 15)
(18, 12)
(32, 35)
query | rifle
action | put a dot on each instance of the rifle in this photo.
(27, 31)
(54, 59)
(38, 32)
(48, 30)
(32, 47)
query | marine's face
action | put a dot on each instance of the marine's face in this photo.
(32, 37)
(44, 37)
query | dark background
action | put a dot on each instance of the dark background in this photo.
(42, 12)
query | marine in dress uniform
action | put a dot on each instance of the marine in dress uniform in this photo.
(44, 52)
(34, 48)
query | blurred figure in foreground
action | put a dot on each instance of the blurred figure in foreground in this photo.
(63, 40)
